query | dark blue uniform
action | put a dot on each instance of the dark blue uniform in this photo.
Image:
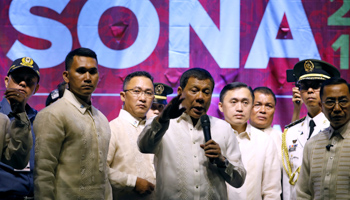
(17, 184)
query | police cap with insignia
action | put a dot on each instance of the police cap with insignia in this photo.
(25, 62)
(312, 69)
(161, 91)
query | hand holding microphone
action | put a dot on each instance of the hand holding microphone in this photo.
(211, 148)
(206, 127)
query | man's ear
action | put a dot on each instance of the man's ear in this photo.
(179, 90)
(7, 79)
(36, 88)
(220, 107)
(122, 96)
(65, 76)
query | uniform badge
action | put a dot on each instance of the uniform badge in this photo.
(292, 147)
(159, 89)
(309, 66)
(26, 61)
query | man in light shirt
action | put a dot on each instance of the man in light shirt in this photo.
(131, 173)
(72, 138)
(187, 166)
(308, 75)
(261, 117)
(259, 154)
(325, 168)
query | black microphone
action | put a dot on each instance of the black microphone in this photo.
(206, 127)
(328, 147)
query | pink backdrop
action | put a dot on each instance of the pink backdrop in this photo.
(118, 28)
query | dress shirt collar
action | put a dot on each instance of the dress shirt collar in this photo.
(131, 119)
(342, 131)
(319, 119)
(266, 130)
(76, 102)
(246, 133)
(187, 118)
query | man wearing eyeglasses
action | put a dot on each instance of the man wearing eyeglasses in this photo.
(132, 173)
(309, 74)
(325, 167)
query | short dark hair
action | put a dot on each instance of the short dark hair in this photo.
(79, 52)
(266, 91)
(232, 86)
(333, 81)
(198, 73)
(134, 74)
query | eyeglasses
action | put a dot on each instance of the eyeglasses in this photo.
(138, 92)
(315, 85)
(341, 102)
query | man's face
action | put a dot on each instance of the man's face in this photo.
(82, 77)
(138, 104)
(310, 92)
(236, 106)
(197, 94)
(156, 109)
(263, 110)
(335, 104)
(23, 79)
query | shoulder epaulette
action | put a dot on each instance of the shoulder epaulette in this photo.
(295, 122)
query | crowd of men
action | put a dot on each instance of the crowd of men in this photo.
(157, 149)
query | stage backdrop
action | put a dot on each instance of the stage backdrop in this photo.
(252, 41)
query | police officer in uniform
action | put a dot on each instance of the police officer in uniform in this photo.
(161, 91)
(309, 75)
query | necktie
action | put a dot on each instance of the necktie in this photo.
(312, 125)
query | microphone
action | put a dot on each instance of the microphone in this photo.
(328, 147)
(206, 127)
